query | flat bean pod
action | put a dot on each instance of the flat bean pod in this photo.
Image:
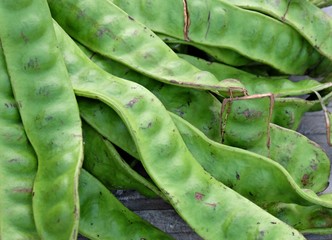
(103, 161)
(246, 122)
(256, 186)
(168, 161)
(238, 173)
(104, 217)
(254, 84)
(309, 20)
(44, 95)
(18, 167)
(220, 24)
(321, 3)
(246, 125)
(199, 107)
(224, 55)
(307, 219)
(106, 29)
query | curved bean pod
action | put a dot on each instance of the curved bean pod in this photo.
(254, 84)
(237, 172)
(18, 167)
(106, 29)
(307, 219)
(220, 54)
(217, 23)
(246, 125)
(309, 20)
(96, 114)
(199, 107)
(167, 159)
(246, 122)
(44, 94)
(104, 217)
(103, 161)
(321, 3)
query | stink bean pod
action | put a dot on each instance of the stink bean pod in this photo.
(307, 219)
(106, 29)
(321, 3)
(220, 24)
(199, 107)
(310, 21)
(218, 210)
(267, 184)
(104, 217)
(102, 160)
(246, 122)
(254, 84)
(224, 55)
(18, 167)
(44, 95)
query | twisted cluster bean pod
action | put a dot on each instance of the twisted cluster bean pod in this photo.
(18, 167)
(219, 24)
(167, 159)
(106, 29)
(44, 96)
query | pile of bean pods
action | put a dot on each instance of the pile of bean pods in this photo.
(190, 101)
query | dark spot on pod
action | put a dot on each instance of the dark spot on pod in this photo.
(237, 176)
(91, 224)
(214, 205)
(131, 18)
(273, 223)
(199, 196)
(251, 194)
(32, 64)
(58, 220)
(24, 37)
(132, 102)
(305, 179)
(100, 193)
(98, 235)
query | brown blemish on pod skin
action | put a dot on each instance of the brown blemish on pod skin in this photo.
(199, 196)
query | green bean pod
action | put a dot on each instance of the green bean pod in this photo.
(246, 125)
(321, 3)
(106, 29)
(246, 122)
(220, 24)
(96, 114)
(269, 182)
(223, 55)
(218, 210)
(18, 167)
(309, 20)
(307, 219)
(44, 95)
(199, 107)
(103, 161)
(104, 217)
(280, 87)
